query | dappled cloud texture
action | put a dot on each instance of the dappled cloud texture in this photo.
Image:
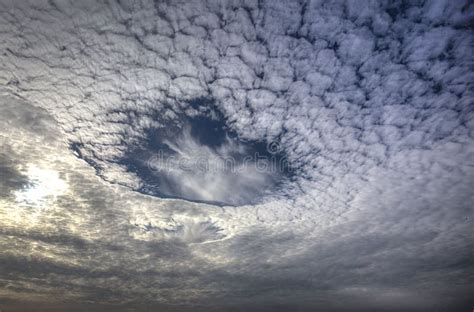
(372, 102)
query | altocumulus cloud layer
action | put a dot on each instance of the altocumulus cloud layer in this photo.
(371, 101)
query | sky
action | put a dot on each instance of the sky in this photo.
(236, 155)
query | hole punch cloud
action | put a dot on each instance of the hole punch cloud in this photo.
(199, 158)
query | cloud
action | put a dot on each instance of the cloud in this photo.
(371, 102)
(200, 159)
(88, 232)
(12, 178)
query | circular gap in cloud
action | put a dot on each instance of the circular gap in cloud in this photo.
(197, 157)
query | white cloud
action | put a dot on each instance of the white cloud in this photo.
(372, 101)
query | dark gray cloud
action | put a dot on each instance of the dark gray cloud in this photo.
(12, 178)
(371, 101)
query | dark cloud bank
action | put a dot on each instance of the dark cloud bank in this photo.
(370, 101)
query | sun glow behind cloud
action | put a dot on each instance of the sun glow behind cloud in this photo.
(45, 186)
